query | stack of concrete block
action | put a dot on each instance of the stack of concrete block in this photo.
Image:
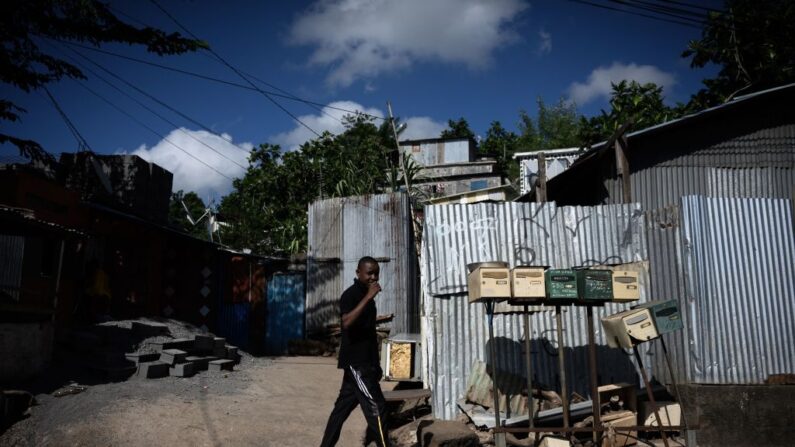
(184, 357)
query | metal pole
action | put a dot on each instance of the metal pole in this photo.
(529, 365)
(650, 395)
(676, 387)
(499, 438)
(592, 364)
(564, 397)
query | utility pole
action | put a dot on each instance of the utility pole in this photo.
(414, 224)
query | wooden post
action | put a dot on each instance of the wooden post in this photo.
(622, 168)
(541, 181)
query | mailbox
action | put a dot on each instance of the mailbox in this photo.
(625, 286)
(400, 358)
(528, 283)
(489, 281)
(625, 329)
(595, 285)
(665, 315)
(561, 284)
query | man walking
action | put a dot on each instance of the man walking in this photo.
(358, 358)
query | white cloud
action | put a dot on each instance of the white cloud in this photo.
(192, 175)
(598, 83)
(545, 46)
(362, 39)
(329, 120)
(421, 127)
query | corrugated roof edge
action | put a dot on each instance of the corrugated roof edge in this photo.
(599, 148)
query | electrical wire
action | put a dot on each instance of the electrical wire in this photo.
(659, 11)
(82, 144)
(145, 126)
(285, 92)
(210, 78)
(149, 109)
(598, 5)
(162, 103)
(671, 9)
(691, 5)
(223, 61)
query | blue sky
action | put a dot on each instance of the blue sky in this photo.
(433, 59)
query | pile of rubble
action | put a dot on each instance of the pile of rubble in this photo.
(148, 349)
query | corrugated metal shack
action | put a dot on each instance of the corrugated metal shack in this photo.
(520, 234)
(342, 230)
(150, 269)
(717, 191)
(744, 148)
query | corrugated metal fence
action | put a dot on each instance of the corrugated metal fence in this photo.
(520, 234)
(342, 230)
(728, 261)
(739, 258)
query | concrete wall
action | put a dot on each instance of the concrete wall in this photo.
(741, 415)
(25, 349)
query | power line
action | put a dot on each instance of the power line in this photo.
(285, 92)
(654, 9)
(222, 60)
(162, 103)
(149, 109)
(213, 79)
(82, 144)
(691, 5)
(598, 5)
(142, 124)
(661, 6)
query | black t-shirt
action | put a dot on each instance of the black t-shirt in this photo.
(359, 344)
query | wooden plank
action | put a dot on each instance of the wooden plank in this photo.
(622, 167)
(401, 395)
(541, 182)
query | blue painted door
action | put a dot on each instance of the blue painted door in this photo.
(285, 320)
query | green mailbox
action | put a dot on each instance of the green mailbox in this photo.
(595, 285)
(665, 315)
(561, 284)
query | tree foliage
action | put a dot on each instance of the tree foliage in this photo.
(555, 127)
(23, 65)
(457, 129)
(753, 42)
(640, 105)
(268, 206)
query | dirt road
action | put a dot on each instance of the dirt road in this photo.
(267, 402)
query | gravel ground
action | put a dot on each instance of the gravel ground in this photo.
(264, 402)
(267, 402)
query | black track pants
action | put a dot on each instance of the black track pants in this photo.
(359, 387)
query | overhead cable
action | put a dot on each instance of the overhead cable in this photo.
(145, 126)
(162, 103)
(223, 61)
(662, 19)
(212, 79)
(149, 109)
(691, 17)
(82, 144)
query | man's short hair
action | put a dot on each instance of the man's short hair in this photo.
(366, 260)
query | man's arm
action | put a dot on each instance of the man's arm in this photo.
(349, 318)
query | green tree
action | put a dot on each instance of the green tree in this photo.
(555, 127)
(177, 214)
(267, 208)
(457, 129)
(753, 43)
(501, 144)
(23, 65)
(641, 105)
